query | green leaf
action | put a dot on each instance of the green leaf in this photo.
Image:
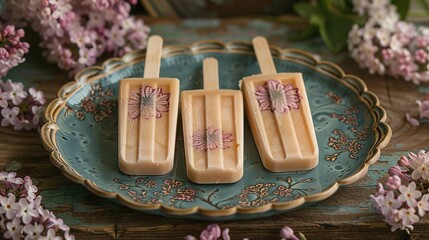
(402, 7)
(310, 31)
(317, 19)
(334, 32)
(305, 9)
(301, 236)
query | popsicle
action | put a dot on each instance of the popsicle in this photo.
(213, 130)
(279, 115)
(148, 109)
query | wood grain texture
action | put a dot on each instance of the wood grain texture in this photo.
(346, 215)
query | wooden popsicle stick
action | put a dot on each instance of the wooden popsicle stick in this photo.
(284, 123)
(212, 111)
(211, 74)
(153, 57)
(263, 55)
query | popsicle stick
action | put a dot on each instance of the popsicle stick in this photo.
(213, 111)
(153, 57)
(263, 55)
(210, 74)
(284, 122)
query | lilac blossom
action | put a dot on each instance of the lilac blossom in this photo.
(21, 214)
(12, 49)
(75, 33)
(405, 198)
(19, 108)
(385, 45)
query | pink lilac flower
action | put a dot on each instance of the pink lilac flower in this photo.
(423, 205)
(393, 182)
(4, 97)
(16, 91)
(75, 33)
(34, 230)
(408, 216)
(386, 45)
(26, 211)
(24, 110)
(275, 97)
(9, 116)
(8, 205)
(10, 179)
(423, 108)
(50, 236)
(13, 229)
(212, 232)
(211, 139)
(389, 203)
(287, 233)
(403, 162)
(12, 49)
(148, 102)
(409, 194)
(395, 170)
(420, 165)
(37, 95)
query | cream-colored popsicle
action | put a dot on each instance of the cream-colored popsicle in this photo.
(148, 109)
(279, 115)
(213, 130)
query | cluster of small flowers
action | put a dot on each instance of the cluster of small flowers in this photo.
(21, 214)
(385, 45)
(214, 232)
(76, 33)
(19, 108)
(405, 198)
(12, 49)
(423, 112)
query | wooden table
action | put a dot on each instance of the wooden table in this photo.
(346, 215)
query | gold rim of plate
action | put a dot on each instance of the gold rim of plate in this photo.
(48, 131)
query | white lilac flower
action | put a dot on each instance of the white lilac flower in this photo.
(408, 216)
(409, 194)
(33, 231)
(115, 37)
(13, 229)
(8, 206)
(26, 211)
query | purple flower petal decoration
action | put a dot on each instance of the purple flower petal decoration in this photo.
(211, 139)
(148, 102)
(275, 97)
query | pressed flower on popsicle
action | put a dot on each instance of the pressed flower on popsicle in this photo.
(275, 97)
(211, 139)
(148, 102)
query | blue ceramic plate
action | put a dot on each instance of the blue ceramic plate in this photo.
(82, 127)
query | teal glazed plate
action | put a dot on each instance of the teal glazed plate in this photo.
(81, 133)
